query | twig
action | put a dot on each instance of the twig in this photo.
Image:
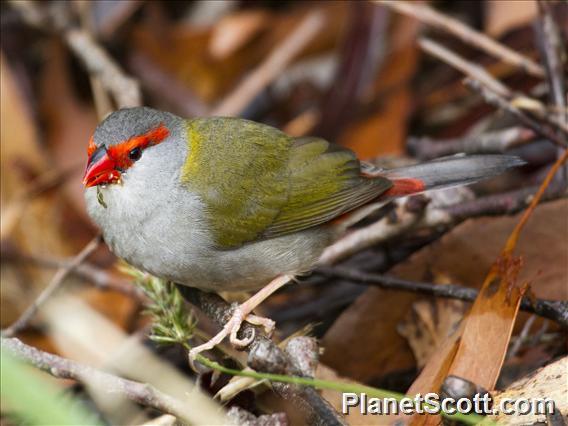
(439, 218)
(551, 309)
(266, 356)
(507, 203)
(472, 70)
(53, 285)
(468, 35)
(477, 73)
(89, 272)
(493, 98)
(376, 233)
(124, 89)
(498, 141)
(165, 86)
(236, 101)
(553, 52)
(62, 368)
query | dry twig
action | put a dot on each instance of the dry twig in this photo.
(498, 141)
(493, 98)
(468, 35)
(556, 310)
(63, 368)
(53, 285)
(124, 89)
(265, 356)
(438, 218)
(236, 101)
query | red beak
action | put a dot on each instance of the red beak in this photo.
(101, 169)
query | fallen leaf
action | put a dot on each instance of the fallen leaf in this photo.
(429, 323)
(365, 333)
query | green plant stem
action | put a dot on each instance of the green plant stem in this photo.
(326, 384)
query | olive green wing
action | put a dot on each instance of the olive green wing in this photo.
(256, 182)
(239, 169)
(325, 181)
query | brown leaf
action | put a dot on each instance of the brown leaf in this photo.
(365, 333)
(429, 323)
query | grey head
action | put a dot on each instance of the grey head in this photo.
(127, 123)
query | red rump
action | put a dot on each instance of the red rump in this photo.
(407, 186)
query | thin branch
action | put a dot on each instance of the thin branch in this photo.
(469, 68)
(98, 62)
(506, 203)
(377, 233)
(99, 277)
(409, 217)
(62, 368)
(236, 101)
(555, 310)
(477, 73)
(53, 285)
(265, 356)
(493, 98)
(468, 35)
(498, 141)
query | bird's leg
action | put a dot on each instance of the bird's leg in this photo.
(242, 313)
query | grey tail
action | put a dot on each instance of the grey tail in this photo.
(453, 171)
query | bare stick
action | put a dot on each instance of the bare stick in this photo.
(258, 79)
(468, 35)
(498, 141)
(368, 236)
(555, 310)
(468, 68)
(476, 73)
(97, 276)
(124, 89)
(53, 285)
(266, 356)
(63, 368)
(500, 102)
(410, 217)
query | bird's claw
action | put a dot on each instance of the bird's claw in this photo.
(231, 329)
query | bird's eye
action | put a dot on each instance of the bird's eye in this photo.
(135, 154)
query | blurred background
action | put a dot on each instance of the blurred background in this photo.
(351, 72)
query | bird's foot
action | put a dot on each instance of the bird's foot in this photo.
(241, 313)
(231, 329)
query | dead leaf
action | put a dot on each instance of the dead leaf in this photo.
(365, 333)
(429, 323)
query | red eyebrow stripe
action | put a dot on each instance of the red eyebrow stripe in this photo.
(120, 151)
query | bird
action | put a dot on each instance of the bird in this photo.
(228, 204)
